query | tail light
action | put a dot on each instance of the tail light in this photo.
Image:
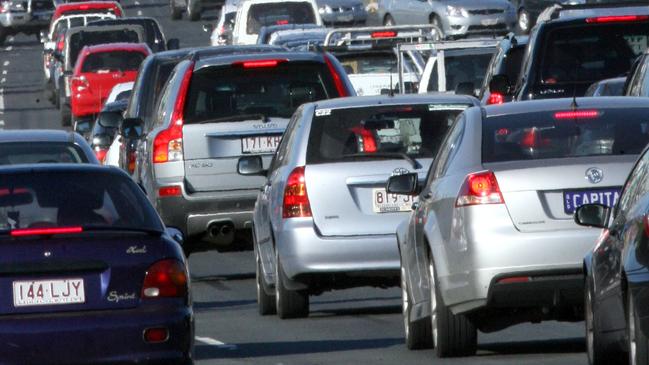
(646, 225)
(496, 98)
(577, 114)
(479, 188)
(5, 6)
(131, 161)
(338, 81)
(617, 19)
(60, 43)
(100, 153)
(296, 200)
(165, 279)
(79, 83)
(173, 190)
(259, 63)
(44, 231)
(168, 144)
(366, 139)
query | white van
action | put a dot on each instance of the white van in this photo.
(254, 14)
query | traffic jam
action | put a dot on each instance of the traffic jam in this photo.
(324, 182)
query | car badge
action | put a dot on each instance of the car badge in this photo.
(400, 171)
(594, 175)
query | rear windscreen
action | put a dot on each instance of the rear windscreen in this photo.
(369, 63)
(66, 198)
(42, 152)
(217, 93)
(82, 39)
(543, 135)
(460, 69)
(587, 54)
(112, 61)
(279, 13)
(358, 133)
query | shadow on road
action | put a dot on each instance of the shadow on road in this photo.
(555, 346)
(359, 311)
(204, 306)
(263, 349)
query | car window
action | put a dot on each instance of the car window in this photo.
(65, 198)
(162, 102)
(42, 152)
(82, 39)
(461, 68)
(279, 13)
(280, 158)
(449, 147)
(357, 133)
(636, 185)
(550, 134)
(644, 81)
(112, 61)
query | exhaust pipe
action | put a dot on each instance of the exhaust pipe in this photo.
(220, 233)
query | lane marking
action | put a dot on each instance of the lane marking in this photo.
(10, 38)
(3, 80)
(137, 3)
(6, 63)
(4, 72)
(217, 343)
(139, 12)
(9, 48)
(2, 107)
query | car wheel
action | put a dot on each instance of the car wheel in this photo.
(265, 302)
(289, 303)
(176, 13)
(638, 342)
(193, 10)
(3, 35)
(523, 23)
(388, 21)
(418, 334)
(453, 335)
(66, 113)
(597, 353)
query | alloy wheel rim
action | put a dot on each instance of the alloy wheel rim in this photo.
(632, 338)
(524, 20)
(590, 335)
(433, 302)
(405, 304)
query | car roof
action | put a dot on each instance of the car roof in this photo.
(537, 106)
(283, 54)
(107, 47)
(400, 99)
(62, 167)
(39, 135)
(559, 14)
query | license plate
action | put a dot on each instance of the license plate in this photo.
(388, 203)
(48, 292)
(489, 22)
(260, 144)
(573, 199)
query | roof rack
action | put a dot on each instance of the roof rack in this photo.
(367, 37)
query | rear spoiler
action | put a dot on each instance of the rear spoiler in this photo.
(368, 37)
(554, 11)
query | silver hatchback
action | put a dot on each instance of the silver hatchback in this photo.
(323, 220)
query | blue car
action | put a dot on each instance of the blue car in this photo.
(88, 272)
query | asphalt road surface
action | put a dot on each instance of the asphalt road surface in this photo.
(359, 326)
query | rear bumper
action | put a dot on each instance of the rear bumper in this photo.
(479, 24)
(96, 337)
(304, 254)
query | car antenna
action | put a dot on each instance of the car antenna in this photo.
(391, 89)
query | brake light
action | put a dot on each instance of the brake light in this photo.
(258, 63)
(495, 98)
(131, 162)
(296, 200)
(164, 279)
(366, 139)
(60, 43)
(22, 232)
(282, 22)
(338, 82)
(617, 19)
(646, 225)
(168, 144)
(479, 188)
(577, 114)
(384, 34)
(100, 153)
(514, 280)
(169, 191)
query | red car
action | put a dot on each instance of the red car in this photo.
(97, 70)
(88, 7)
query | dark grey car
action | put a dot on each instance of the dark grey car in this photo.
(44, 146)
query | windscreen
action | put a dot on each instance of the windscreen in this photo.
(369, 63)
(219, 93)
(67, 198)
(358, 133)
(544, 135)
(279, 13)
(587, 54)
(42, 152)
(82, 39)
(461, 68)
(112, 61)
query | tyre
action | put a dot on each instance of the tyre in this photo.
(638, 343)
(193, 10)
(175, 12)
(289, 303)
(66, 113)
(453, 335)
(596, 350)
(3, 35)
(418, 334)
(265, 302)
(388, 21)
(523, 24)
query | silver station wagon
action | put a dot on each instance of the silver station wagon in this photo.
(323, 220)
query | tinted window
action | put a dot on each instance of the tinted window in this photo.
(278, 13)
(591, 53)
(82, 39)
(42, 152)
(65, 198)
(112, 61)
(542, 136)
(348, 134)
(512, 63)
(461, 68)
(222, 92)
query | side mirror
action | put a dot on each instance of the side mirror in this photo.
(500, 84)
(109, 119)
(176, 234)
(592, 215)
(173, 43)
(83, 127)
(465, 88)
(405, 184)
(251, 165)
(131, 127)
(208, 28)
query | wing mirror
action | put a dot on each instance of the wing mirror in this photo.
(83, 127)
(251, 165)
(173, 43)
(131, 128)
(406, 184)
(500, 84)
(176, 234)
(592, 215)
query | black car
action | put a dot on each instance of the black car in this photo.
(153, 34)
(507, 62)
(574, 46)
(617, 274)
(105, 128)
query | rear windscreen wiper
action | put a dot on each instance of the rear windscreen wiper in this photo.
(401, 155)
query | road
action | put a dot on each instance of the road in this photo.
(360, 326)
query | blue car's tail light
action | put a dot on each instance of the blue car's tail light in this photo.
(166, 278)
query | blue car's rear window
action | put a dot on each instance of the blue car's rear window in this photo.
(15, 153)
